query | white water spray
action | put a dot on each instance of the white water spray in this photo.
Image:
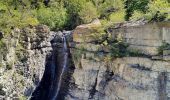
(65, 51)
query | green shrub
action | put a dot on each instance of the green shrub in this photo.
(155, 10)
(134, 53)
(80, 12)
(117, 17)
(55, 16)
(118, 49)
(110, 11)
(73, 8)
(11, 17)
(77, 53)
(137, 15)
(158, 10)
(88, 12)
(133, 5)
(107, 7)
(164, 46)
(98, 35)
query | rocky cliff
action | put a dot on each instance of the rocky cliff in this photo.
(127, 63)
(23, 61)
(140, 76)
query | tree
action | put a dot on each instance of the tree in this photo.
(14, 13)
(159, 9)
(55, 16)
(73, 8)
(132, 5)
(88, 12)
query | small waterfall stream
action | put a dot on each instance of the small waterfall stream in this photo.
(56, 65)
(65, 51)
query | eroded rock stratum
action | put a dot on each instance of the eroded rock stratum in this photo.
(96, 71)
(139, 77)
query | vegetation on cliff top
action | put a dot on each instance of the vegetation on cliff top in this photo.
(67, 14)
(59, 14)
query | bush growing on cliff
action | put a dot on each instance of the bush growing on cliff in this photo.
(133, 5)
(99, 36)
(154, 10)
(58, 14)
(78, 52)
(73, 7)
(80, 11)
(164, 46)
(107, 7)
(118, 49)
(14, 14)
(54, 16)
(88, 12)
(158, 10)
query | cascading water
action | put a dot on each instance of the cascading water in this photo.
(65, 51)
(51, 83)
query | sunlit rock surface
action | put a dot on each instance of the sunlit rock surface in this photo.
(83, 33)
(92, 75)
(128, 78)
(146, 38)
(23, 68)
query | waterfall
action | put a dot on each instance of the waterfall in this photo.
(65, 51)
(56, 65)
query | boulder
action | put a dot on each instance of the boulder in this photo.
(83, 32)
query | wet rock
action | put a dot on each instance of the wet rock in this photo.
(69, 35)
(58, 37)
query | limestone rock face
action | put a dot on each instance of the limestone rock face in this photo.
(146, 38)
(23, 68)
(128, 78)
(92, 75)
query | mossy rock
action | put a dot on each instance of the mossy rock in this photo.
(83, 33)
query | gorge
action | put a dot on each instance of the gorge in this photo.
(71, 65)
(95, 78)
(84, 49)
